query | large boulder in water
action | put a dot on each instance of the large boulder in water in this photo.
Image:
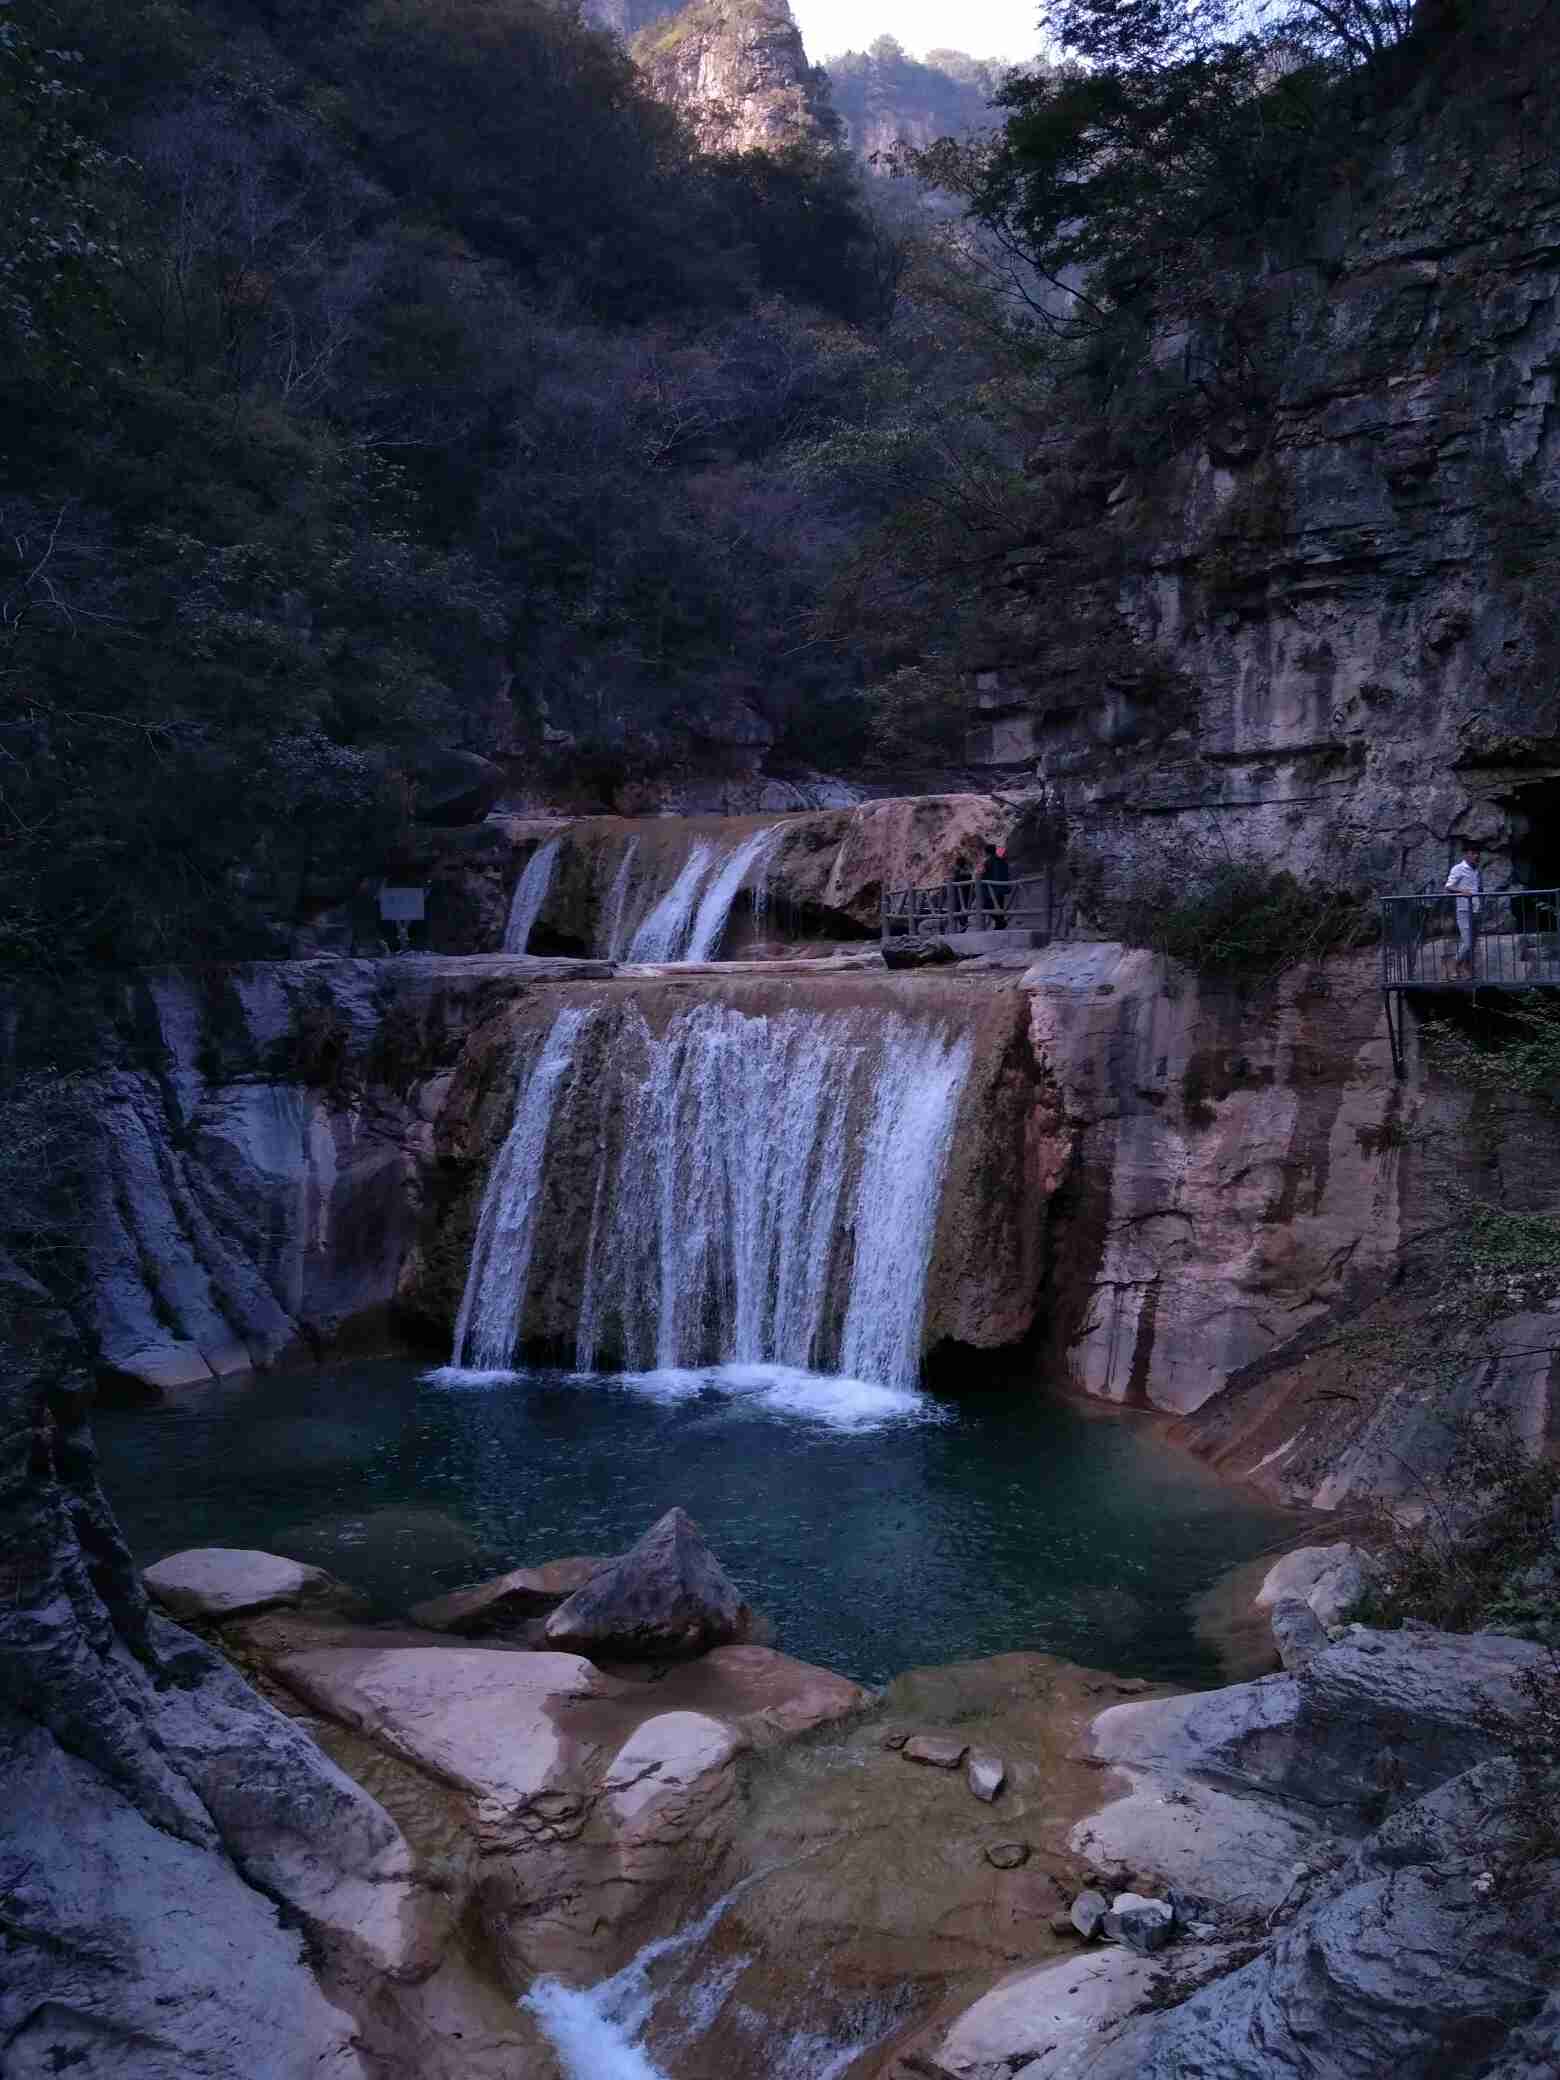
(667, 1598)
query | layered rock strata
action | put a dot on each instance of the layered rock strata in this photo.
(1325, 634)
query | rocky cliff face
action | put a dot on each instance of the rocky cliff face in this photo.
(255, 1155)
(1328, 634)
(737, 70)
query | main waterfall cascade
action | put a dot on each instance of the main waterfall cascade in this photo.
(764, 1190)
(531, 892)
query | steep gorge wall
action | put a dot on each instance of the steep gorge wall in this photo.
(1327, 633)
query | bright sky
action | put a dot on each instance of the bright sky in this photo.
(983, 28)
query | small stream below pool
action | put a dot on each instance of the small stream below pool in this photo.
(878, 1528)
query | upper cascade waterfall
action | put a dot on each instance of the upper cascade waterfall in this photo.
(689, 920)
(763, 1189)
(530, 894)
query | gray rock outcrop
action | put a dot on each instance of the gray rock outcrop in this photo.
(668, 1597)
(167, 1838)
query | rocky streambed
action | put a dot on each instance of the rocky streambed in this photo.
(581, 1813)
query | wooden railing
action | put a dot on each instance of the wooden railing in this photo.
(943, 908)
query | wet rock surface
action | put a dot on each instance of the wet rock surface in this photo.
(216, 1582)
(668, 1597)
(508, 1600)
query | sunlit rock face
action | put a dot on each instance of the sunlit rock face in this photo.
(737, 70)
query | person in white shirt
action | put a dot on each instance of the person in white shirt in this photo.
(1466, 882)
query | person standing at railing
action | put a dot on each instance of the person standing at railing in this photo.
(1466, 882)
(995, 877)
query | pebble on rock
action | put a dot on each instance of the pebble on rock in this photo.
(985, 1774)
(1007, 1856)
(935, 1751)
(1088, 1912)
(1144, 1925)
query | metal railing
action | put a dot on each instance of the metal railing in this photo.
(942, 908)
(1507, 940)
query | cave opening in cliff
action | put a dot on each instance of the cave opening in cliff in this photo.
(1534, 809)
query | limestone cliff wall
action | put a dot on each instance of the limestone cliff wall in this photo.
(1327, 632)
(1239, 1184)
(256, 1152)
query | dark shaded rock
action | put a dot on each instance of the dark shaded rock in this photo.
(455, 786)
(919, 953)
(1415, 1966)
(666, 1598)
(508, 1599)
(1298, 1632)
(1144, 1925)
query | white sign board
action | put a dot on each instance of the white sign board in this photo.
(402, 905)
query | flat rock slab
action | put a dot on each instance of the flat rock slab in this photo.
(665, 1756)
(230, 1582)
(766, 1695)
(524, 1592)
(1043, 2022)
(935, 1750)
(481, 1719)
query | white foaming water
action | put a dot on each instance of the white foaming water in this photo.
(665, 931)
(763, 1192)
(617, 898)
(734, 1216)
(492, 1308)
(784, 1391)
(709, 924)
(896, 1203)
(531, 892)
(593, 2028)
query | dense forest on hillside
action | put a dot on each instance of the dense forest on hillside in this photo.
(383, 379)
(380, 378)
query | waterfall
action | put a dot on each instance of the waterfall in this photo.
(492, 1308)
(665, 931)
(715, 904)
(896, 1218)
(598, 2031)
(617, 897)
(688, 922)
(530, 893)
(771, 1176)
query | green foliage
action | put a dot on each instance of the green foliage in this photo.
(1233, 917)
(1467, 1559)
(1519, 1054)
(379, 373)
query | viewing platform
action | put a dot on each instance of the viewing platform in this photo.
(1515, 945)
(980, 916)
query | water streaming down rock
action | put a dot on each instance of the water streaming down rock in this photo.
(530, 894)
(714, 910)
(617, 897)
(664, 932)
(764, 1191)
(488, 1326)
(688, 921)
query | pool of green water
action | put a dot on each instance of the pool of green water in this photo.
(877, 1530)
